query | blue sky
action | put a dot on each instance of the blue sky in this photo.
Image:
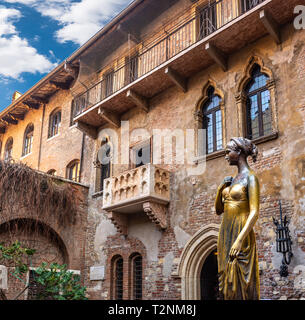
(36, 35)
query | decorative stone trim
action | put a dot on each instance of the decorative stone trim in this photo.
(196, 250)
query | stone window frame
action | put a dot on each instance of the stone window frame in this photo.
(198, 117)
(27, 145)
(241, 99)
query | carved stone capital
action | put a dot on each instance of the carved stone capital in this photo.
(157, 213)
(240, 97)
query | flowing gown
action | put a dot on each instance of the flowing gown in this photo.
(238, 279)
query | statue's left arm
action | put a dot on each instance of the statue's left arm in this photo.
(253, 193)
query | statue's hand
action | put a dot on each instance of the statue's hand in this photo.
(235, 250)
(226, 182)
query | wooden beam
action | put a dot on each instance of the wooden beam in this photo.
(40, 99)
(138, 100)
(60, 85)
(271, 25)
(31, 105)
(88, 130)
(176, 78)
(110, 117)
(17, 116)
(218, 56)
(10, 120)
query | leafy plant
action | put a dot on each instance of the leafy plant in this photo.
(17, 256)
(58, 283)
(55, 281)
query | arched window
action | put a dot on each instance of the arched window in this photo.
(258, 108)
(8, 149)
(73, 171)
(54, 123)
(136, 276)
(28, 140)
(52, 172)
(212, 121)
(117, 278)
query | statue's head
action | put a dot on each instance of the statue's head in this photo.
(238, 147)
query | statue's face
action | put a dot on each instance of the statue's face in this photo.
(232, 156)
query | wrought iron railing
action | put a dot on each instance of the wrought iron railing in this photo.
(196, 27)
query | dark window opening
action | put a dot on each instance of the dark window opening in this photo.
(141, 155)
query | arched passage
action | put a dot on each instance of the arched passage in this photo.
(195, 253)
(35, 235)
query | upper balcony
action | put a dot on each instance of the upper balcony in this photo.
(200, 38)
(142, 189)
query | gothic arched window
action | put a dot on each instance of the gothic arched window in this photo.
(212, 121)
(258, 108)
(8, 149)
(136, 276)
(54, 123)
(117, 278)
(73, 171)
(28, 140)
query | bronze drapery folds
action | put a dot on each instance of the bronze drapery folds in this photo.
(238, 199)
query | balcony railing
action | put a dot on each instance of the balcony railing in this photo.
(194, 28)
(134, 186)
(145, 190)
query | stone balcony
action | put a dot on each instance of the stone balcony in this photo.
(144, 189)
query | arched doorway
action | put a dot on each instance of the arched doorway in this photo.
(209, 278)
(193, 258)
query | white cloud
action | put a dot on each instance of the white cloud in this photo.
(16, 54)
(80, 20)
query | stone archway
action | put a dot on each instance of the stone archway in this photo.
(192, 258)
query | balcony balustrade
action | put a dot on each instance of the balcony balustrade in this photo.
(196, 26)
(144, 189)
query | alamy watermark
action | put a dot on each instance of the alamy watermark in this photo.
(299, 21)
(169, 146)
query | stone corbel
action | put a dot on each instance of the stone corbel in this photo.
(120, 222)
(157, 213)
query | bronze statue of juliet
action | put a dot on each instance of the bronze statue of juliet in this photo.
(238, 199)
